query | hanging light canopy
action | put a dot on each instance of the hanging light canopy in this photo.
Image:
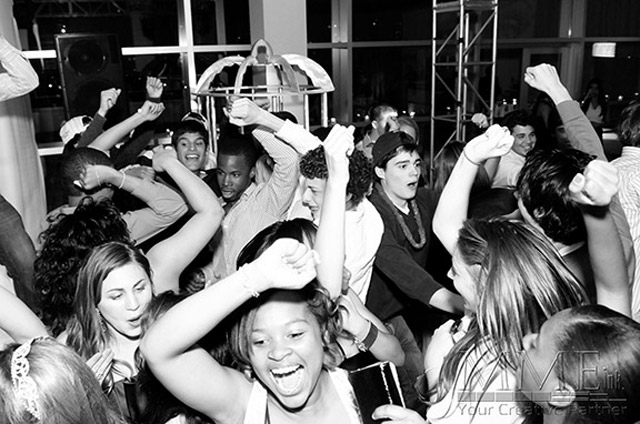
(267, 79)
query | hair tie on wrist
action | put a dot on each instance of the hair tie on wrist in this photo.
(124, 178)
(464, 153)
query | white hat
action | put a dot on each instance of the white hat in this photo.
(73, 127)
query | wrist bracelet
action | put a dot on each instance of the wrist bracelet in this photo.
(372, 335)
(124, 178)
(247, 282)
(464, 153)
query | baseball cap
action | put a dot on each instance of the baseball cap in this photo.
(73, 127)
(387, 143)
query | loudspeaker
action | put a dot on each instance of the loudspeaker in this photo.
(89, 64)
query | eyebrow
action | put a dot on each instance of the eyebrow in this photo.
(287, 324)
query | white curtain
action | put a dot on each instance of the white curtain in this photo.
(21, 178)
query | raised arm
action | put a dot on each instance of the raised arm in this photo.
(195, 234)
(245, 112)
(544, 77)
(19, 77)
(149, 111)
(330, 243)
(188, 371)
(593, 191)
(454, 200)
(165, 205)
(17, 319)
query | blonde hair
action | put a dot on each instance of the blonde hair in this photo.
(521, 283)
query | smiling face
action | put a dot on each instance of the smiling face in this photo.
(313, 195)
(234, 176)
(400, 176)
(124, 297)
(286, 350)
(524, 139)
(191, 149)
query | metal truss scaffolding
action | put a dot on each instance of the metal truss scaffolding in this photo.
(463, 66)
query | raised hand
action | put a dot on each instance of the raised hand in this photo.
(243, 111)
(100, 364)
(286, 264)
(151, 110)
(543, 77)
(338, 146)
(95, 176)
(108, 99)
(597, 185)
(161, 156)
(480, 119)
(352, 321)
(154, 87)
(496, 141)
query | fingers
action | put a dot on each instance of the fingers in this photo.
(397, 414)
(597, 185)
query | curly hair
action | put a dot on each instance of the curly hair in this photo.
(66, 243)
(314, 165)
(320, 304)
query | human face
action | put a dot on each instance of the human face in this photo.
(524, 139)
(400, 177)
(287, 350)
(313, 195)
(537, 369)
(124, 297)
(234, 176)
(464, 280)
(191, 149)
(388, 121)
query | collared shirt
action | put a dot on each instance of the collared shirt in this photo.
(258, 207)
(165, 206)
(508, 170)
(629, 166)
(19, 78)
(363, 233)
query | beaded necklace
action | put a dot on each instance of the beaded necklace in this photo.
(416, 215)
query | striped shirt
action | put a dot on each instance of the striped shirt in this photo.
(259, 206)
(629, 166)
(19, 77)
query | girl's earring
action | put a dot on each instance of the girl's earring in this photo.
(103, 326)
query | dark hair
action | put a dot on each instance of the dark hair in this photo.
(232, 143)
(317, 298)
(73, 164)
(615, 339)
(286, 115)
(446, 160)
(407, 145)
(189, 126)
(520, 117)
(314, 165)
(65, 244)
(629, 128)
(543, 186)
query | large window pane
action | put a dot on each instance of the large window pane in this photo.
(220, 21)
(528, 18)
(139, 23)
(318, 21)
(378, 20)
(617, 18)
(398, 76)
